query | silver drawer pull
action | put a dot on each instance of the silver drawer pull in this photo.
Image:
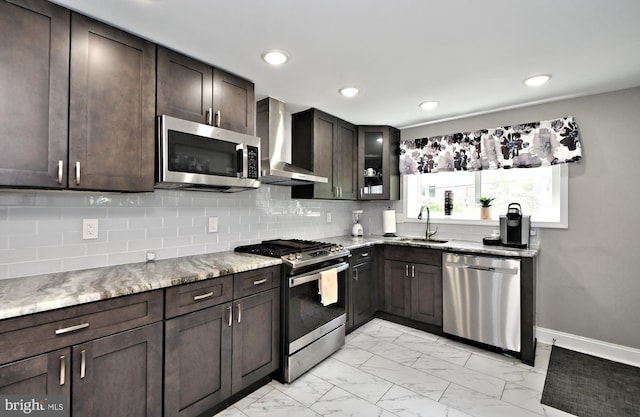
(230, 314)
(83, 364)
(203, 296)
(72, 328)
(364, 255)
(77, 172)
(239, 308)
(63, 370)
(60, 166)
(260, 281)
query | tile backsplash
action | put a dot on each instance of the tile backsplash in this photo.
(41, 231)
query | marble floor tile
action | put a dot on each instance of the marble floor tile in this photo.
(352, 355)
(338, 402)
(461, 375)
(419, 382)
(507, 371)
(277, 404)
(352, 379)
(442, 351)
(307, 389)
(405, 403)
(379, 331)
(477, 404)
(389, 350)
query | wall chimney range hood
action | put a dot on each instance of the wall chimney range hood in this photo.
(274, 146)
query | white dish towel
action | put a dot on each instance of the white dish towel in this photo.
(328, 287)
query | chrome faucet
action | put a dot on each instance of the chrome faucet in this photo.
(428, 233)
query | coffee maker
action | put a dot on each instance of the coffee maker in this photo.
(515, 227)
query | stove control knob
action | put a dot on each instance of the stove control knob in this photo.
(291, 257)
(298, 255)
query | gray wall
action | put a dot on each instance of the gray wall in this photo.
(588, 274)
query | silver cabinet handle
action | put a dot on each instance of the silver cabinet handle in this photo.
(230, 315)
(260, 281)
(239, 308)
(406, 270)
(77, 172)
(218, 119)
(63, 369)
(413, 271)
(72, 328)
(364, 255)
(355, 274)
(60, 167)
(203, 296)
(83, 364)
(209, 116)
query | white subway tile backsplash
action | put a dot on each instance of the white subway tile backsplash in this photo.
(35, 268)
(84, 262)
(59, 252)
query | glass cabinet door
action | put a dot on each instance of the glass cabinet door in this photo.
(373, 171)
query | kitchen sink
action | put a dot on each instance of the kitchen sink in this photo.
(422, 240)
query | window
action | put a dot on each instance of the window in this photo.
(542, 193)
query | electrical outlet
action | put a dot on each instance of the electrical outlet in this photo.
(213, 225)
(89, 229)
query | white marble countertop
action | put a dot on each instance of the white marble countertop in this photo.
(21, 296)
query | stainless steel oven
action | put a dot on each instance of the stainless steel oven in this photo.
(311, 331)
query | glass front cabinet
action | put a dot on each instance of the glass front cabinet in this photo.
(378, 170)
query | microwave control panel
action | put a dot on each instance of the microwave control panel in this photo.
(253, 158)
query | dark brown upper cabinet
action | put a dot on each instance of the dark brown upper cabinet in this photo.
(112, 108)
(193, 90)
(378, 169)
(34, 80)
(327, 146)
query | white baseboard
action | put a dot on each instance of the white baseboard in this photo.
(618, 353)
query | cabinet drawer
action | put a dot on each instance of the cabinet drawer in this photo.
(418, 255)
(42, 332)
(362, 255)
(187, 298)
(252, 282)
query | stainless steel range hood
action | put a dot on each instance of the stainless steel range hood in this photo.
(275, 142)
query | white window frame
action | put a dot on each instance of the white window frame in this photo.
(560, 178)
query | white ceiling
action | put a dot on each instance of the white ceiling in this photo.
(470, 55)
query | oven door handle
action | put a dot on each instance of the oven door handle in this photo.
(315, 275)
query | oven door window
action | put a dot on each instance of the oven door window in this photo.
(306, 312)
(201, 155)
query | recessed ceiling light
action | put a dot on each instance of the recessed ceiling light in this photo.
(349, 91)
(275, 57)
(537, 80)
(429, 105)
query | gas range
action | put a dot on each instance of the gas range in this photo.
(296, 253)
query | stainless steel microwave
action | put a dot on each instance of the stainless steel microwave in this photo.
(195, 156)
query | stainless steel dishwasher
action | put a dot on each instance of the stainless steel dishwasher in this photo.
(481, 299)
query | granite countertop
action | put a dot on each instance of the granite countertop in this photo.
(21, 296)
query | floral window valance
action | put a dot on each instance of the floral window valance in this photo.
(525, 145)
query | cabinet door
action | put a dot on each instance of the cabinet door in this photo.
(233, 102)
(363, 293)
(185, 87)
(197, 361)
(325, 131)
(256, 338)
(397, 288)
(112, 108)
(426, 294)
(345, 161)
(34, 51)
(119, 375)
(46, 374)
(378, 173)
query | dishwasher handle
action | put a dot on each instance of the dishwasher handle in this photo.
(480, 268)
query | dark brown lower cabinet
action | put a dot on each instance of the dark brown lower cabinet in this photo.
(47, 374)
(119, 375)
(256, 338)
(362, 294)
(216, 352)
(412, 287)
(197, 361)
